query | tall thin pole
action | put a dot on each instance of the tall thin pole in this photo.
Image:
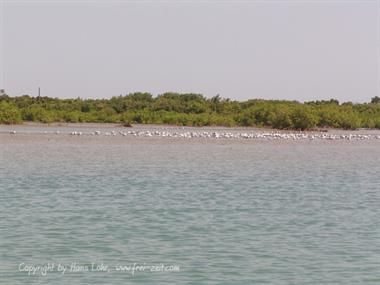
(2, 48)
(39, 91)
(378, 46)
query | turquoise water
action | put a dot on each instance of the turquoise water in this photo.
(221, 212)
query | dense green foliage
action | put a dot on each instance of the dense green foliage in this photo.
(191, 110)
(9, 114)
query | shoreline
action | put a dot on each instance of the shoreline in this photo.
(166, 126)
(176, 132)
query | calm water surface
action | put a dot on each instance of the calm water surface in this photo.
(223, 211)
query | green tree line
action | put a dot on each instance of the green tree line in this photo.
(191, 110)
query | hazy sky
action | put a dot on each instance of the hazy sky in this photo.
(298, 50)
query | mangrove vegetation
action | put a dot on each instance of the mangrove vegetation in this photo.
(191, 110)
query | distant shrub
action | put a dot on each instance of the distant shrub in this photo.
(9, 114)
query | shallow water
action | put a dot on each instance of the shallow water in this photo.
(223, 211)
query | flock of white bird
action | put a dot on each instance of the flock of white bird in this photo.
(227, 135)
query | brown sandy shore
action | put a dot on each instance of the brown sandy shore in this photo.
(134, 126)
(173, 127)
(111, 126)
